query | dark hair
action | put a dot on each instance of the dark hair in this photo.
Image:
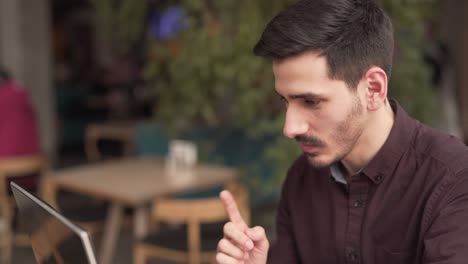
(353, 35)
(4, 75)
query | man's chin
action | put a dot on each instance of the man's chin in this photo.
(317, 161)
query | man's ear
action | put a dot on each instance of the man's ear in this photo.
(376, 83)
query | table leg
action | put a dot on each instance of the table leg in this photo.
(111, 233)
(140, 222)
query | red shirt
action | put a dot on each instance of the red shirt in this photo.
(18, 128)
(409, 205)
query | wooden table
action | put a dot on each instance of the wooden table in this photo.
(133, 183)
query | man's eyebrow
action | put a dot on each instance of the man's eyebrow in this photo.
(308, 95)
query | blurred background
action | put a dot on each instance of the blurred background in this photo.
(113, 78)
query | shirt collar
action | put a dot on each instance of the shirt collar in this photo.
(337, 174)
(400, 137)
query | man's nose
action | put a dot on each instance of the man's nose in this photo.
(294, 124)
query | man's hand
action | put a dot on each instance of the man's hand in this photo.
(241, 244)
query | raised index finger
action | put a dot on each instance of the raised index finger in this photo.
(231, 209)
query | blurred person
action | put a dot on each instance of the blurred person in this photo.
(18, 126)
(373, 185)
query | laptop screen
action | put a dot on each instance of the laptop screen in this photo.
(54, 239)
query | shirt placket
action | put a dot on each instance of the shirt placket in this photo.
(358, 192)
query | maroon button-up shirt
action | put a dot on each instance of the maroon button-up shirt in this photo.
(409, 205)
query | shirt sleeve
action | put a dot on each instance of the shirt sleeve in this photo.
(446, 242)
(284, 250)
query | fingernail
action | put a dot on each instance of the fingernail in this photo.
(249, 245)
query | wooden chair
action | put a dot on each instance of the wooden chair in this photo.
(5, 237)
(124, 134)
(12, 169)
(120, 132)
(198, 228)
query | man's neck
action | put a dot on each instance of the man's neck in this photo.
(371, 140)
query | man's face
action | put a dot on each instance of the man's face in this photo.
(323, 115)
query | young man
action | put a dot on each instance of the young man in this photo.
(373, 185)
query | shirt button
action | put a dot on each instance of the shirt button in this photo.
(379, 178)
(357, 203)
(353, 256)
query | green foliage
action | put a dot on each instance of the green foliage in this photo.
(410, 82)
(214, 80)
(208, 77)
(123, 21)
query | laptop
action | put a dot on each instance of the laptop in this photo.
(54, 239)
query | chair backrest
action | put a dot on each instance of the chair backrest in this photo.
(195, 212)
(122, 133)
(151, 139)
(202, 210)
(19, 166)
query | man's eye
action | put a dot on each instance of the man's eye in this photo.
(311, 102)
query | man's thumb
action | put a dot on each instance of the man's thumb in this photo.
(258, 235)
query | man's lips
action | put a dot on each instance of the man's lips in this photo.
(308, 147)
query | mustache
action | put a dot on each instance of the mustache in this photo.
(310, 140)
